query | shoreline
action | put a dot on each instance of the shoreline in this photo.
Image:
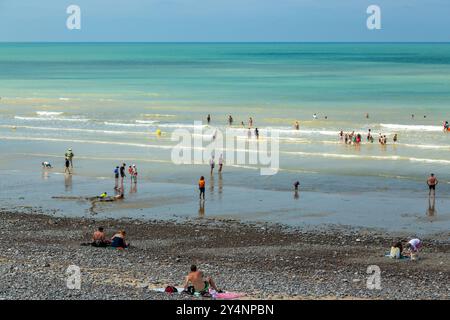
(262, 260)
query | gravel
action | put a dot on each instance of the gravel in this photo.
(261, 260)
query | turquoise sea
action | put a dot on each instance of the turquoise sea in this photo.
(106, 100)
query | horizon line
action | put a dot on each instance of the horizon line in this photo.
(226, 42)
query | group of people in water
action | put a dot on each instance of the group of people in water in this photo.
(356, 138)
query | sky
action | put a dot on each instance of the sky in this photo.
(225, 21)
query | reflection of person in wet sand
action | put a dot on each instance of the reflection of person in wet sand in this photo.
(201, 209)
(68, 182)
(431, 212)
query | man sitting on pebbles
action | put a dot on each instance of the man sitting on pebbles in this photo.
(99, 238)
(199, 283)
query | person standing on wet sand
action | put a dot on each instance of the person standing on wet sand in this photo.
(122, 175)
(208, 119)
(212, 164)
(67, 166)
(116, 177)
(220, 163)
(69, 155)
(201, 187)
(256, 133)
(131, 173)
(432, 183)
(250, 122)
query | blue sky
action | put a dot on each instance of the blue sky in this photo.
(225, 20)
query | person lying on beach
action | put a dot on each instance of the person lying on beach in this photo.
(197, 282)
(118, 240)
(99, 238)
(46, 165)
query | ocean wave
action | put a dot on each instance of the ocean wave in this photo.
(147, 121)
(158, 115)
(412, 127)
(120, 124)
(73, 130)
(48, 113)
(50, 119)
(353, 156)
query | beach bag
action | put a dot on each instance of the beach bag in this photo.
(171, 289)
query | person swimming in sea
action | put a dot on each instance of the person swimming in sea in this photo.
(395, 139)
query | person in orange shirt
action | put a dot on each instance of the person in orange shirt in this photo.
(201, 186)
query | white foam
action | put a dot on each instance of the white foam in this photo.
(48, 113)
(50, 119)
(146, 121)
(412, 127)
(120, 124)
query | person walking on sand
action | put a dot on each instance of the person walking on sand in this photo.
(67, 166)
(116, 177)
(220, 163)
(212, 164)
(432, 183)
(69, 155)
(201, 187)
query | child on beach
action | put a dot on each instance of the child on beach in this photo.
(413, 247)
(212, 164)
(67, 165)
(46, 165)
(201, 187)
(131, 173)
(135, 174)
(220, 162)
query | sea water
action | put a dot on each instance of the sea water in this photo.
(107, 100)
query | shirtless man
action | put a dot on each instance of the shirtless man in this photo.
(432, 183)
(200, 283)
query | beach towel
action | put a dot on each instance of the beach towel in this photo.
(388, 254)
(213, 293)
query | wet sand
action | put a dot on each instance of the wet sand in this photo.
(263, 261)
